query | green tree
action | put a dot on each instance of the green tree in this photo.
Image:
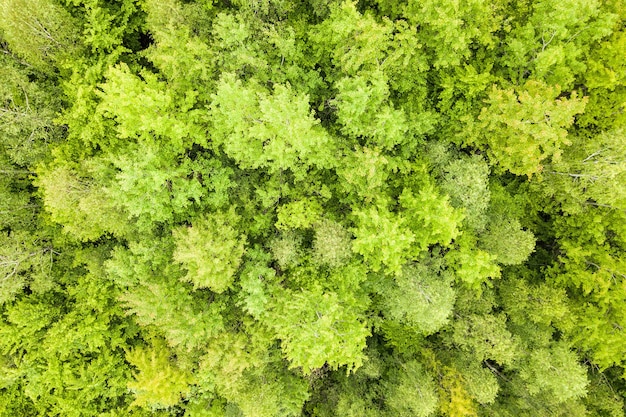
(556, 371)
(526, 126)
(210, 250)
(79, 204)
(25, 260)
(411, 391)
(27, 112)
(421, 297)
(332, 245)
(505, 239)
(444, 28)
(550, 41)
(275, 131)
(158, 382)
(41, 32)
(465, 180)
(318, 327)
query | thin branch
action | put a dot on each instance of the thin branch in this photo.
(545, 44)
(574, 35)
(495, 371)
(593, 155)
(15, 171)
(569, 174)
(613, 272)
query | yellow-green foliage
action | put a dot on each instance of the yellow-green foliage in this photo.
(321, 208)
(210, 250)
(40, 31)
(157, 383)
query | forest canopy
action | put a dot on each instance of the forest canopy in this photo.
(259, 208)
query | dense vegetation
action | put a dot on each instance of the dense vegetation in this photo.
(316, 208)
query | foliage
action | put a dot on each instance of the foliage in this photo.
(312, 208)
(158, 383)
(41, 32)
(525, 127)
(210, 250)
(421, 297)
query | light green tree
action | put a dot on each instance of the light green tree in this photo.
(276, 131)
(527, 126)
(42, 32)
(158, 382)
(421, 297)
(411, 391)
(79, 204)
(318, 327)
(210, 250)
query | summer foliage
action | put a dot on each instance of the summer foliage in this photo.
(319, 208)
